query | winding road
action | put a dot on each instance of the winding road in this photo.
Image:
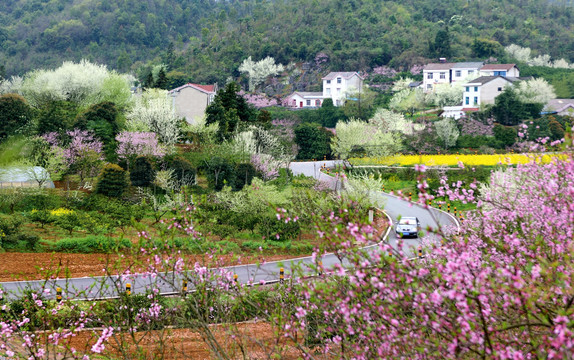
(92, 288)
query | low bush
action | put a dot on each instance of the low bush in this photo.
(273, 229)
(92, 244)
(113, 181)
(20, 241)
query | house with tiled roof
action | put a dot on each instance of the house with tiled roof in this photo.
(337, 85)
(304, 99)
(448, 73)
(191, 100)
(484, 90)
(563, 107)
(506, 70)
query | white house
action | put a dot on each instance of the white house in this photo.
(191, 100)
(336, 85)
(484, 90)
(506, 70)
(464, 70)
(301, 99)
(448, 73)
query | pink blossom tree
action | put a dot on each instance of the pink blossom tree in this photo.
(134, 144)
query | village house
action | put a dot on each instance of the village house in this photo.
(506, 70)
(301, 99)
(561, 107)
(336, 86)
(191, 100)
(448, 73)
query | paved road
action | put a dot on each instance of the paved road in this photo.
(106, 287)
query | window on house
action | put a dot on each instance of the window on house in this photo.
(338, 80)
(499, 89)
(338, 90)
(328, 91)
(466, 100)
(429, 76)
(443, 75)
(476, 89)
(308, 102)
(458, 73)
(467, 89)
(475, 100)
(328, 81)
(429, 86)
(470, 72)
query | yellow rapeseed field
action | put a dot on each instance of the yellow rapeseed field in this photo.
(454, 160)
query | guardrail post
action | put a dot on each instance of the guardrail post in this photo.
(454, 211)
(448, 207)
(184, 286)
(440, 206)
(59, 294)
(320, 268)
(236, 278)
(128, 289)
(420, 252)
(281, 275)
(411, 197)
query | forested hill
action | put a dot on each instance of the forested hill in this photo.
(206, 40)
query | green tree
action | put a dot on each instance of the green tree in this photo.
(15, 114)
(162, 81)
(441, 46)
(229, 110)
(313, 141)
(484, 48)
(505, 135)
(330, 114)
(56, 116)
(103, 120)
(113, 181)
(509, 110)
(143, 172)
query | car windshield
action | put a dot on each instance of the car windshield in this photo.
(408, 221)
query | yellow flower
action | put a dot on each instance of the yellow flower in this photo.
(61, 211)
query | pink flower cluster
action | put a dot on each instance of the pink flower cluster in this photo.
(132, 144)
(258, 100)
(385, 71)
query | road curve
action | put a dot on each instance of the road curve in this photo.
(101, 287)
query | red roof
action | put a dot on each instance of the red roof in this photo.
(497, 66)
(203, 88)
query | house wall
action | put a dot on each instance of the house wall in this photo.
(336, 91)
(476, 94)
(191, 103)
(464, 74)
(437, 78)
(492, 89)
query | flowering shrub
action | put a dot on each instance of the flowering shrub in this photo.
(258, 100)
(60, 212)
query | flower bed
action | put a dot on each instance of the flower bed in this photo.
(454, 160)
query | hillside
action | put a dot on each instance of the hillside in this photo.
(205, 40)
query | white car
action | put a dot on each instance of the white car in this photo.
(408, 226)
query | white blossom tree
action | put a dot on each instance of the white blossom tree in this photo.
(535, 91)
(153, 111)
(260, 70)
(83, 83)
(447, 131)
(402, 84)
(518, 52)
(366, 135)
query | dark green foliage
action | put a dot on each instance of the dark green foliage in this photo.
(229, 109)
(329, 114)
(92, 244)
(474, 142)
(556, 130)
(273, 229)
(10, 224)
(56, 116)
(162, 82)
(244, 174)
(142, 173)
(442, 44)
(508, 110)
(102, 119)
(313, 141)
(506, 135)
(112, 181)
(220, 172)
(183, 170)
(46, 199)
(19, 241)
(483, 48)
(15, 114)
